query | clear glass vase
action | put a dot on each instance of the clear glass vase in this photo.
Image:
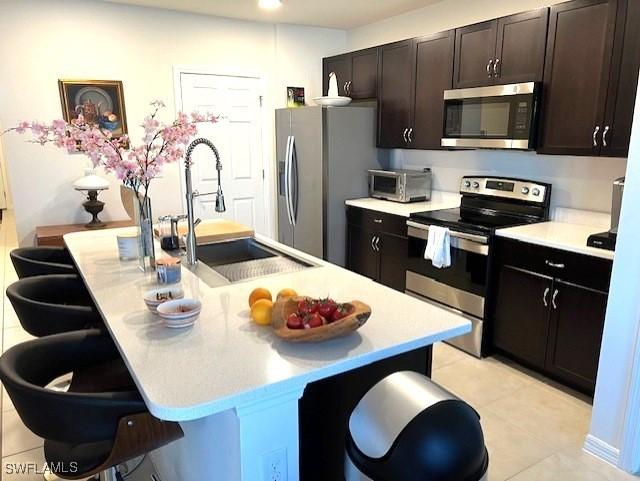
(146, 250)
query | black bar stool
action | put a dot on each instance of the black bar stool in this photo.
(53, 304)
(38, 261)
(94, 426)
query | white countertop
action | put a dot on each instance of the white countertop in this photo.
(439, 200)
(559, 235)
(225, 360)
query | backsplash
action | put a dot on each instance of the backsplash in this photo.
(583, 183)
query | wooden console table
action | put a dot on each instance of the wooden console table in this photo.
(51, 235)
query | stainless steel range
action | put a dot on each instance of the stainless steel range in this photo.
(488, 203)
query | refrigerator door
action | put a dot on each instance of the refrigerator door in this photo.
(307, 179)
(283, 159)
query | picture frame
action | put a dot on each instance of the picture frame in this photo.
(295, 97)
(101, 102)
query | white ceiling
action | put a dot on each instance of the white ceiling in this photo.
(343, 14)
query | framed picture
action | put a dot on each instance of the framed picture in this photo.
(101, 102)
(295, 97)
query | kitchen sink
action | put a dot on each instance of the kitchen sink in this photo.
(246, 259)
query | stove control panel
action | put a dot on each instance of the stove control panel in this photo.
(519, 189)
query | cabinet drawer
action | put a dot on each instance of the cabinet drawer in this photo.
(378, 221)
(588, 271)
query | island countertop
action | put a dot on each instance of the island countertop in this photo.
(226, 360)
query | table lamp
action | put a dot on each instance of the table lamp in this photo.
(92, 185)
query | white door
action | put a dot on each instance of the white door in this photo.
(238, 138)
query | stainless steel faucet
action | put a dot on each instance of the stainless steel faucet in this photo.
(191, 241)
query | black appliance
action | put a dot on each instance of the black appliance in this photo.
(488, 203)
(495, 117)
(607, 240)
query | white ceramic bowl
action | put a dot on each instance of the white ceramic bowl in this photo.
(151, 297)
(180, 313)
(332, 101)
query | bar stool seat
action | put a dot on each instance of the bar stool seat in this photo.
(86, 432)
(52, 304)
(38, 261)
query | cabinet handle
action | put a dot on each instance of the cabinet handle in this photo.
(544, 297)
(373, 238)
(378, 243)
(595, 132)
(377, 221)
(495, 67)
(553, 299)
(604, 136)
(409, 134)
(404, 134)
(554, 264)
(489, 67)
(344, 87)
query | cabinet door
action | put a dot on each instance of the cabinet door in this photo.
(575, 334)
(364, 74)
(520, 47)
(521, 314)
(576, 74)
(623, 82)
(341, 66)
(433, 75)
(394, 94)
(475, 51)
(361, 255)
(393, 260)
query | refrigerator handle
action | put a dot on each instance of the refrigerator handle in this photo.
(287, 171)
(292, 150)
(295, 190)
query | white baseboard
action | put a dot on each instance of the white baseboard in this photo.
(602, 450)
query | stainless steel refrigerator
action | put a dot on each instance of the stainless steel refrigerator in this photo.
(323, 155)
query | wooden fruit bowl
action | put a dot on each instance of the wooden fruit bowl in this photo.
(342, 327)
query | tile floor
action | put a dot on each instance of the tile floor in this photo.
(534, 430)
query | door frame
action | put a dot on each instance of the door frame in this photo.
(266, 132)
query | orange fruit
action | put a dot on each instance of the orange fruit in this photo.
(261, 312)
(257, 294)
(288, 292)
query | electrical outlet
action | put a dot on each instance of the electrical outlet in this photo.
(274, 465)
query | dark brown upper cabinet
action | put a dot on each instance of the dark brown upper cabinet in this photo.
(433, 74)
(395, 87)
(577, 75)
(505, 50)
(356, 72)
(623, 82)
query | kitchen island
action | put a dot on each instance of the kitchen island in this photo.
(233, 385)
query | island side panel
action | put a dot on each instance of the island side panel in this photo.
(326, 405)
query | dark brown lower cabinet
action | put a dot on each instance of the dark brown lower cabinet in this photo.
(549, 309)
(377, 247)
(575, 333)
(520, 319)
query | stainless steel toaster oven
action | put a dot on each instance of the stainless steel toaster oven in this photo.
(400, 185)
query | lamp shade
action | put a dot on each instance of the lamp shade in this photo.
(91, 182)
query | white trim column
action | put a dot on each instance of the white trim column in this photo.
(615, 433)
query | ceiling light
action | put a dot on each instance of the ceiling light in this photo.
(269, 4)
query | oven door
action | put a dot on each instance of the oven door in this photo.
(497, 117)
(461, 286)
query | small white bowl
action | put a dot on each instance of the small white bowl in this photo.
(332, 101)
(151, 297)
(180, 313)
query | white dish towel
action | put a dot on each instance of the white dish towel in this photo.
(438, 247)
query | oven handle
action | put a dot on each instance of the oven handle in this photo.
(459, 240)
(460, 235)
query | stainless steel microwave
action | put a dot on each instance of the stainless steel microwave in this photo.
(400, 185)
(495, 117)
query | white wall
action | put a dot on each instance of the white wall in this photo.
(438, 17)
(622, 325)
(578, 182)
(42, 41)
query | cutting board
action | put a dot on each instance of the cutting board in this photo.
(215, 230)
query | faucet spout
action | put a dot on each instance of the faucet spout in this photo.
(191, 241)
